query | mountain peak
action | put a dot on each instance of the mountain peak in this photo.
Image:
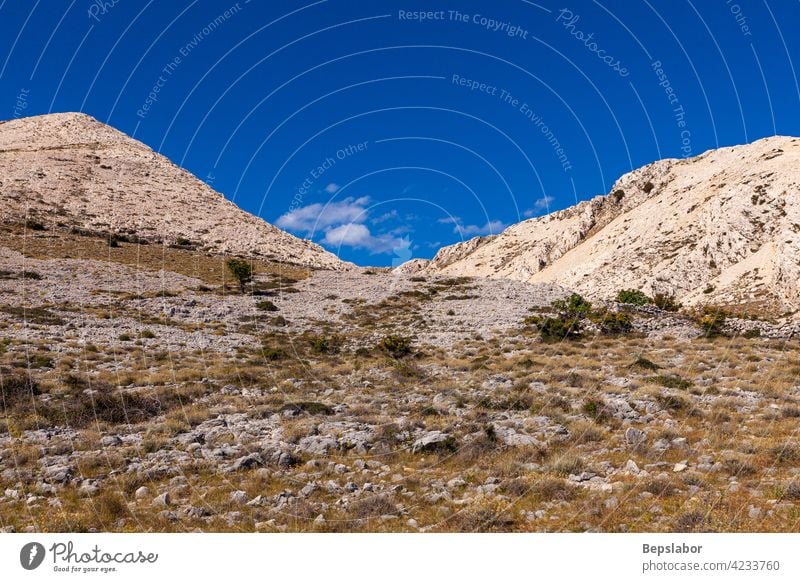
(722, 227)
(71, 171)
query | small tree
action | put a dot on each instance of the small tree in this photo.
(242, 272)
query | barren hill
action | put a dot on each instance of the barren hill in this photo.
(721, 228)
(71, 171)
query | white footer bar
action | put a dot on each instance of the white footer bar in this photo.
(407, 557)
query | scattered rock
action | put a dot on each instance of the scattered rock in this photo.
(635, 437)
(433, 441)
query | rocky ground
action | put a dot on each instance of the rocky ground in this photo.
(142, 391)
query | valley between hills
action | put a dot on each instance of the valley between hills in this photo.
(169, 362)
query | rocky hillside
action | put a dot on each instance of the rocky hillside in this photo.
(69, 170)
(722, 228)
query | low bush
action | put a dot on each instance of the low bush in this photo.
(711, 320)
(326, 344)
(633, 297)
(670, 381)
(644, 363)
(313, 408)
(612, 322)
(573, 306)
(666, 302)
(558, 328)
(395, 346)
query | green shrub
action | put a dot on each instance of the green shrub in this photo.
(273, 354)
(612, 322)
(644, 363)
(146, 334)
(671, 402)
(572, 306)
(711, 320)
(633, 297)
(183, 242)
(326, 344)
(596, 410)
(313, 408)
(670, 381)
(17, 388)
(40, 361)
(752, 333)
(266, 305)
(242, 271)
(395, 345)
(559, 328)
(666, 302)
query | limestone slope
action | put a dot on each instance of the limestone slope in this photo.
(69, 170)
(721, 228)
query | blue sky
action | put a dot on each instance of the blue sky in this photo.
(384, 130)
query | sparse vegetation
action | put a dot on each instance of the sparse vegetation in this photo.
(382, 430)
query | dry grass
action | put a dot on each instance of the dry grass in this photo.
(210, 269)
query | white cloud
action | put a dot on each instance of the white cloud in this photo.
(491, 227)
(359, 236)
(343, 225)
(332, 188)
(542, 204)
(392, 214)
(319, 217)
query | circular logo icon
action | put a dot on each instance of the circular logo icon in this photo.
(31, 555)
